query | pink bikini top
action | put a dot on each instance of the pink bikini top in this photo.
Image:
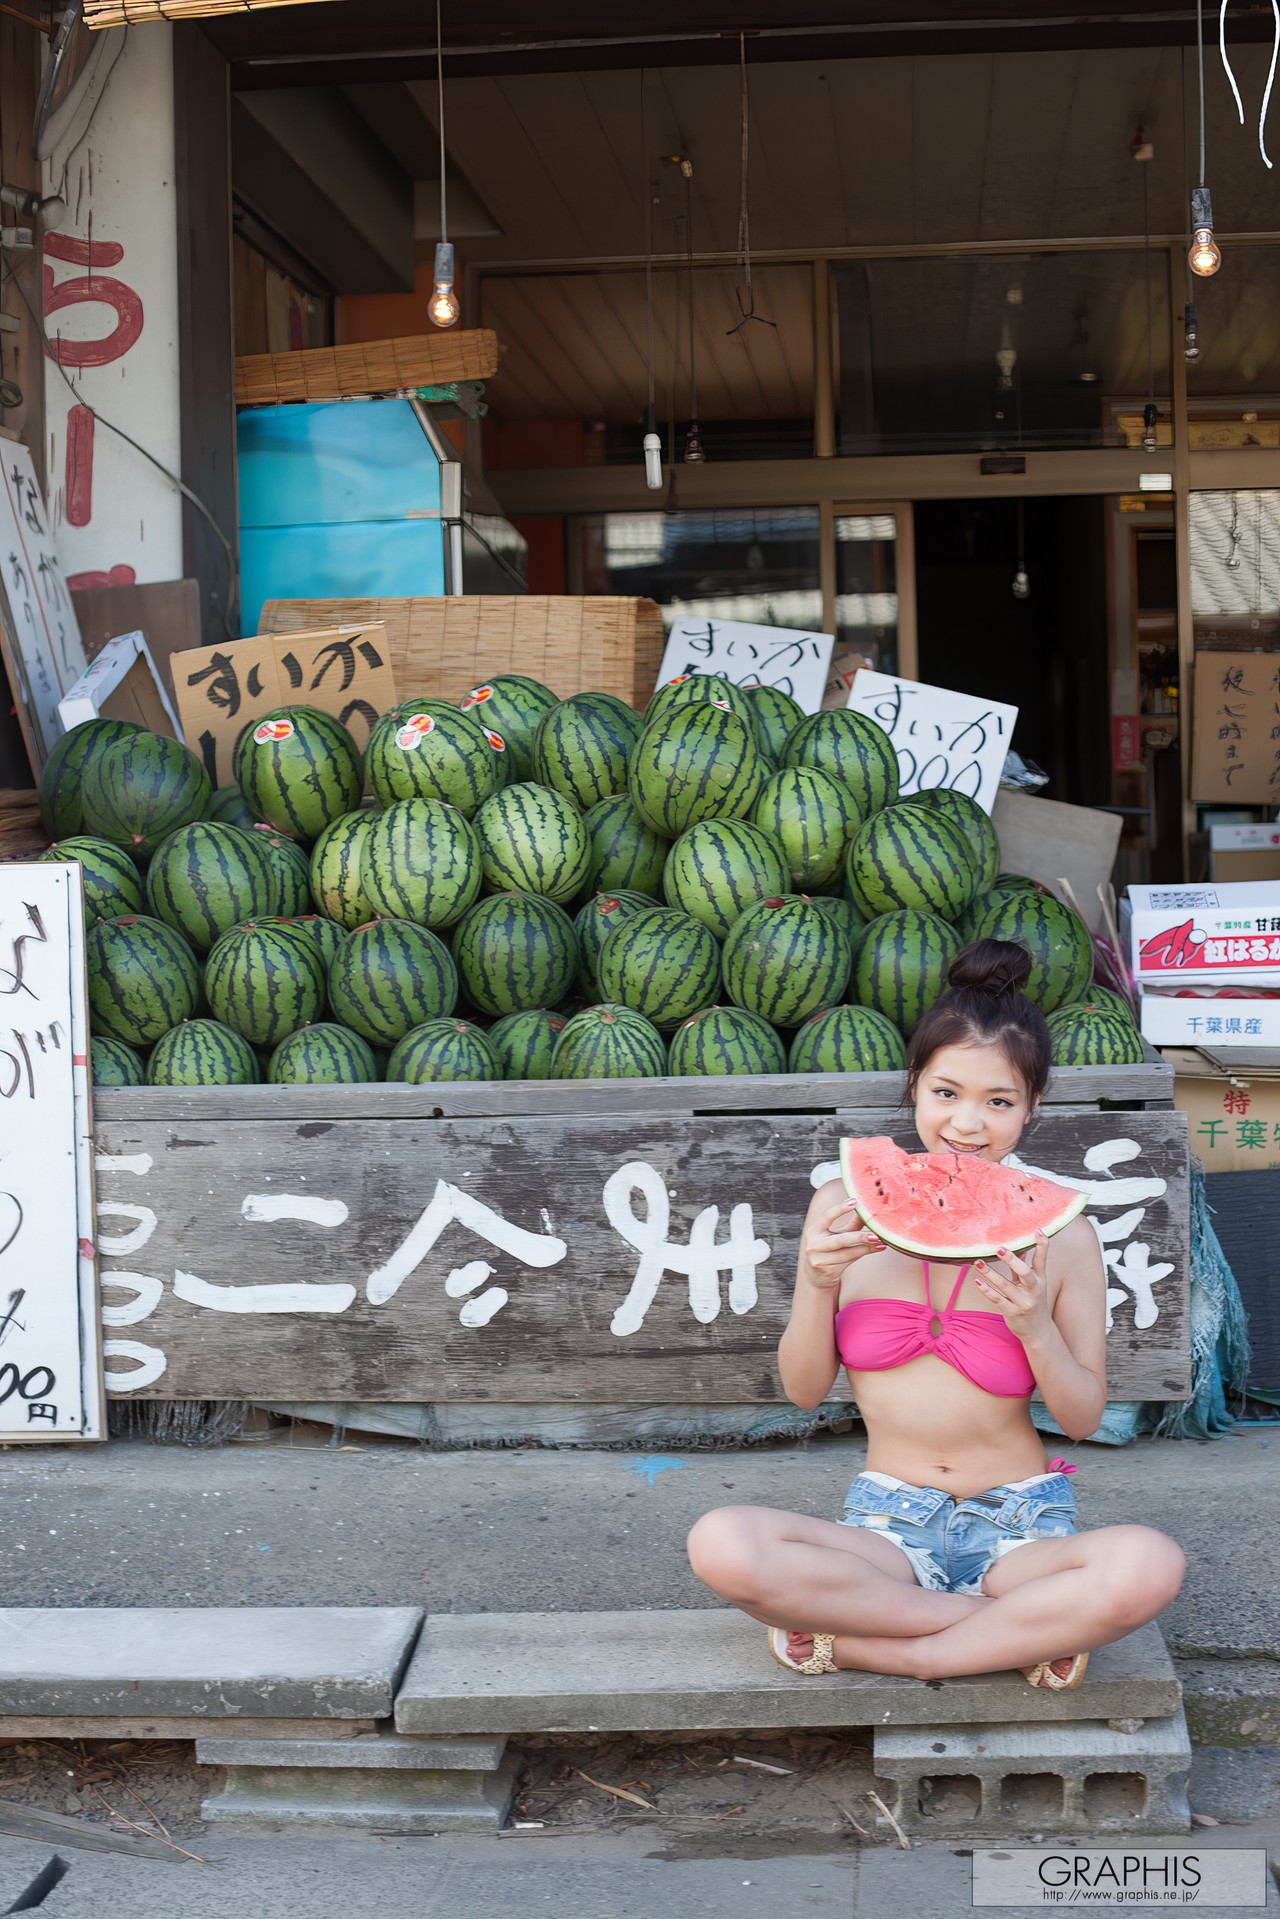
(873, 1335)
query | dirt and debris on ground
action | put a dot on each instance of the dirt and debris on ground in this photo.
(150, 1786)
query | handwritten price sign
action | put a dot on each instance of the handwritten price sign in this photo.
(941, 738)
(796, 663)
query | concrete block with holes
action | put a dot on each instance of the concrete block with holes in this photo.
(1080, 1777)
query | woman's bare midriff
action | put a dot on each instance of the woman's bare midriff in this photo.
(926, 1423)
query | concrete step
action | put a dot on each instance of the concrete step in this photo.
(205, 1663)
(1231, 1702)
(710, 1670)
(390, 1783)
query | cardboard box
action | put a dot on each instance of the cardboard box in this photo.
(1234, 757)
(1051, 841)
(1245, 853)
(1233, 1119)
(1171, 1018)
(1206, 934)
(121, 683)
(344, 670)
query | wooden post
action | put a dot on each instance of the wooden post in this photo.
(21, 353)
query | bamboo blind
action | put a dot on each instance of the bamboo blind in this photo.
(21, 834)
(127, 13)
(440, 648)
(369, 366)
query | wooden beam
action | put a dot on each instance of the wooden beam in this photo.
(369, 366)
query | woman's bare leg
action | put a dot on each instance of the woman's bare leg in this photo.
(1048, 1600)
(816, 1576)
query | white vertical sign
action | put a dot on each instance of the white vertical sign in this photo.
(49, 1362)
(51, 655)
(941, 738)
(796, 663)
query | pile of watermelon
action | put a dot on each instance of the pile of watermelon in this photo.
(525, 887)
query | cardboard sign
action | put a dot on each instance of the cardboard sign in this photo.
(42, 628)
(941, 738)
(1235, 734)
(50, 1362)
(344, 670)
(122, 683)
(794, 662)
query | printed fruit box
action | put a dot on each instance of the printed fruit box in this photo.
(1210, 933)
(1190, 1017)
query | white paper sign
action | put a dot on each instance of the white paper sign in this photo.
(47, 631)
(794, 662)
(49, 1360)
(941, 738)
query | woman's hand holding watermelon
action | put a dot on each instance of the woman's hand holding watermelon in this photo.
(1021, 1294)
(833, 1239)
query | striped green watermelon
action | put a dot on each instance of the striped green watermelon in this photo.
(201, 1052)
(844, 913)
(111, 882)
(515, 952)
(325, 935)
(265, 980)
(229, 807)
(697, 689)
(112, 1063)
(785, 958)
(626, 855)
(1018, 883)
(420, 860)
(142, 978)
(718, 868)
(692, 763)
(849, 748)
(901, 965)
(139, 789)
(583, 746)
(323, 1055)
(776, 716)
(513, 707)
(525, 1042)
(389, 977)
(725, 1039)
(592, 925)
(1059, 944)
(532, 840)
(609, 1042)
(444, 1049)
(979, 906)
(975, 828)
(1101, 999)
(63, 772)
(662, 964)
(335, 870)
(206, 878)
(813, 818)
(292, 869)
(910, 856)
(299, 770)
(428, 750)
(1090, 1032)
(847, 1039)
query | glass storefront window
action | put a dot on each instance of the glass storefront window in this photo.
(759, 564)
(1235, 567)
(1238, 353)
(1000, 351)
(867, 587)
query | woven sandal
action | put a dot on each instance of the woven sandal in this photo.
(1044, 1676)
(819, 1660)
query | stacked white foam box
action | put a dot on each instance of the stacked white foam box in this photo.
(1206, 959)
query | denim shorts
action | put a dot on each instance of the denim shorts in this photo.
(951, 1542)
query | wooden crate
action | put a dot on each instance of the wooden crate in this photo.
(445, 645)
(558, 1243)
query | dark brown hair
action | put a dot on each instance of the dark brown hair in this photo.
(986, 1006)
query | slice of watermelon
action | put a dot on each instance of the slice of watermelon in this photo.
(950, 1205)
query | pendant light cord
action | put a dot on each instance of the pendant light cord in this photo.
(1146, 249)
(688, 234)
(444, 233)
(648, 248)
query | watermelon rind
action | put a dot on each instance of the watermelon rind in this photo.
(325, 935)
(142, 978)
(697, 689)
(114, 1063)
(718, 868)
(911, 855)
(513, 706)
(583, 746)
(389, 977)
(302, 779)
(229, 807)
(62, 775)
(139, 789)
(785, 958)
(609, 1042)
(443, 1049)
(975, 828)
(264, 979)
(111, 882)
(206, 878)
(776, 716)
(900, 967)
(725, 1040)
(420, 861)
(592, 925)
(662, 964)
(847, 1039)
(813, 818)
(532, 840)
(515, 951)
(334, 870)
(428, 750)
(525, 1042)
(625, 853)
(1057, 940)
(1012, 1206)
(695, 761)
(1089, 1034)
(323, 1055)
(292, 868)
(202, 1052)
(852, 749)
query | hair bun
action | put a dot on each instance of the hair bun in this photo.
(993, 967)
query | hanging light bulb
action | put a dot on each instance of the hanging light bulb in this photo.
(1021, 584)
(1150, 414)
(693, 453)
(1190, 337)
(1021, 587)
(1204, 257)
(443, 305)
